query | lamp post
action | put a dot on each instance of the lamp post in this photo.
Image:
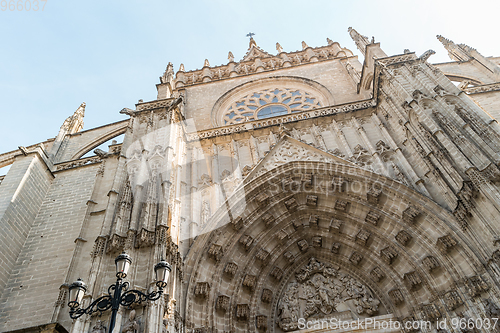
(118, 293)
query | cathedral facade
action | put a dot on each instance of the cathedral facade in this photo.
(289, 192)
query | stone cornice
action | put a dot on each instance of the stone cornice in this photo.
(483, 88)
(261, 64)
(113, 150)
(261, 123)
(156, 104)
(77, 163)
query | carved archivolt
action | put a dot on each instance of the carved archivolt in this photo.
(319, 289)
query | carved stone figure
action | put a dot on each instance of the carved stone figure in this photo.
(205, 212)
(98, 327)
(320, 289)
(132, 326)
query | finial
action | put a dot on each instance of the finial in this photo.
(304, 45)
(250, 34)
(373, 39)
(168, 76)
(181, 68)
(206, 63)
(279, 48)
(329, 41)
(360, 40)
(406, 51)
(230, 56)
(444, 41)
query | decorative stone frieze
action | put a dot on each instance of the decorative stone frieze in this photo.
(262, 199)
(261, 322)
(237, 223)
(249, 281)
(431, 312)
(317, 241)
(377, 274)
(430, 263)
(215, 251)
(267, 295)
(388, 254)
(338, 184)
(303, 245)
(312, 200)
(336, 248)
(446, 243)
(262, 255)
(325, 288)
(268, 219)
(341, 205)
(355, 258)
(289, 256)
(476, 285)
(242, 312)
(362, 237)
(291, 204)
(452, 300)
(313, 220)
(246, 241)
(410, 215)
(202, 289)
(372, 218)
(282, 234)
(231, 268)
(396, 296)
(307, 179)
(374, 193)
(403, 237)
(222, 303)
(335, 225)
(277, 273)
(412, 280)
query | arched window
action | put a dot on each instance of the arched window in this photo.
(269, 103)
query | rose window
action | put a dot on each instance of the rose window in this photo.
(269, 103)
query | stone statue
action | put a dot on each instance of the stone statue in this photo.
(279, 48)
(131, 326)
(205, 212)
(98, 327)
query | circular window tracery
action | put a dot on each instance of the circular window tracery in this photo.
(269, 103)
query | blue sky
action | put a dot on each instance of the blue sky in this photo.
(110, 54)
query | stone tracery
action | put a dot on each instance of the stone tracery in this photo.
(268, 103)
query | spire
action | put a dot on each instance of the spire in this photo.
(279, 48)
(74, 123)
(168, 76)
(206, 63)
(181, 68)
(360, 40)
(304, 45)
(230, 56)
(456, 52)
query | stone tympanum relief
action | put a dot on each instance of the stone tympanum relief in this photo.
(319, 290)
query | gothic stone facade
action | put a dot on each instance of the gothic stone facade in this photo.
(283, 187)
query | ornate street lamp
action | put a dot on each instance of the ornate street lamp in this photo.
(118, 293)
